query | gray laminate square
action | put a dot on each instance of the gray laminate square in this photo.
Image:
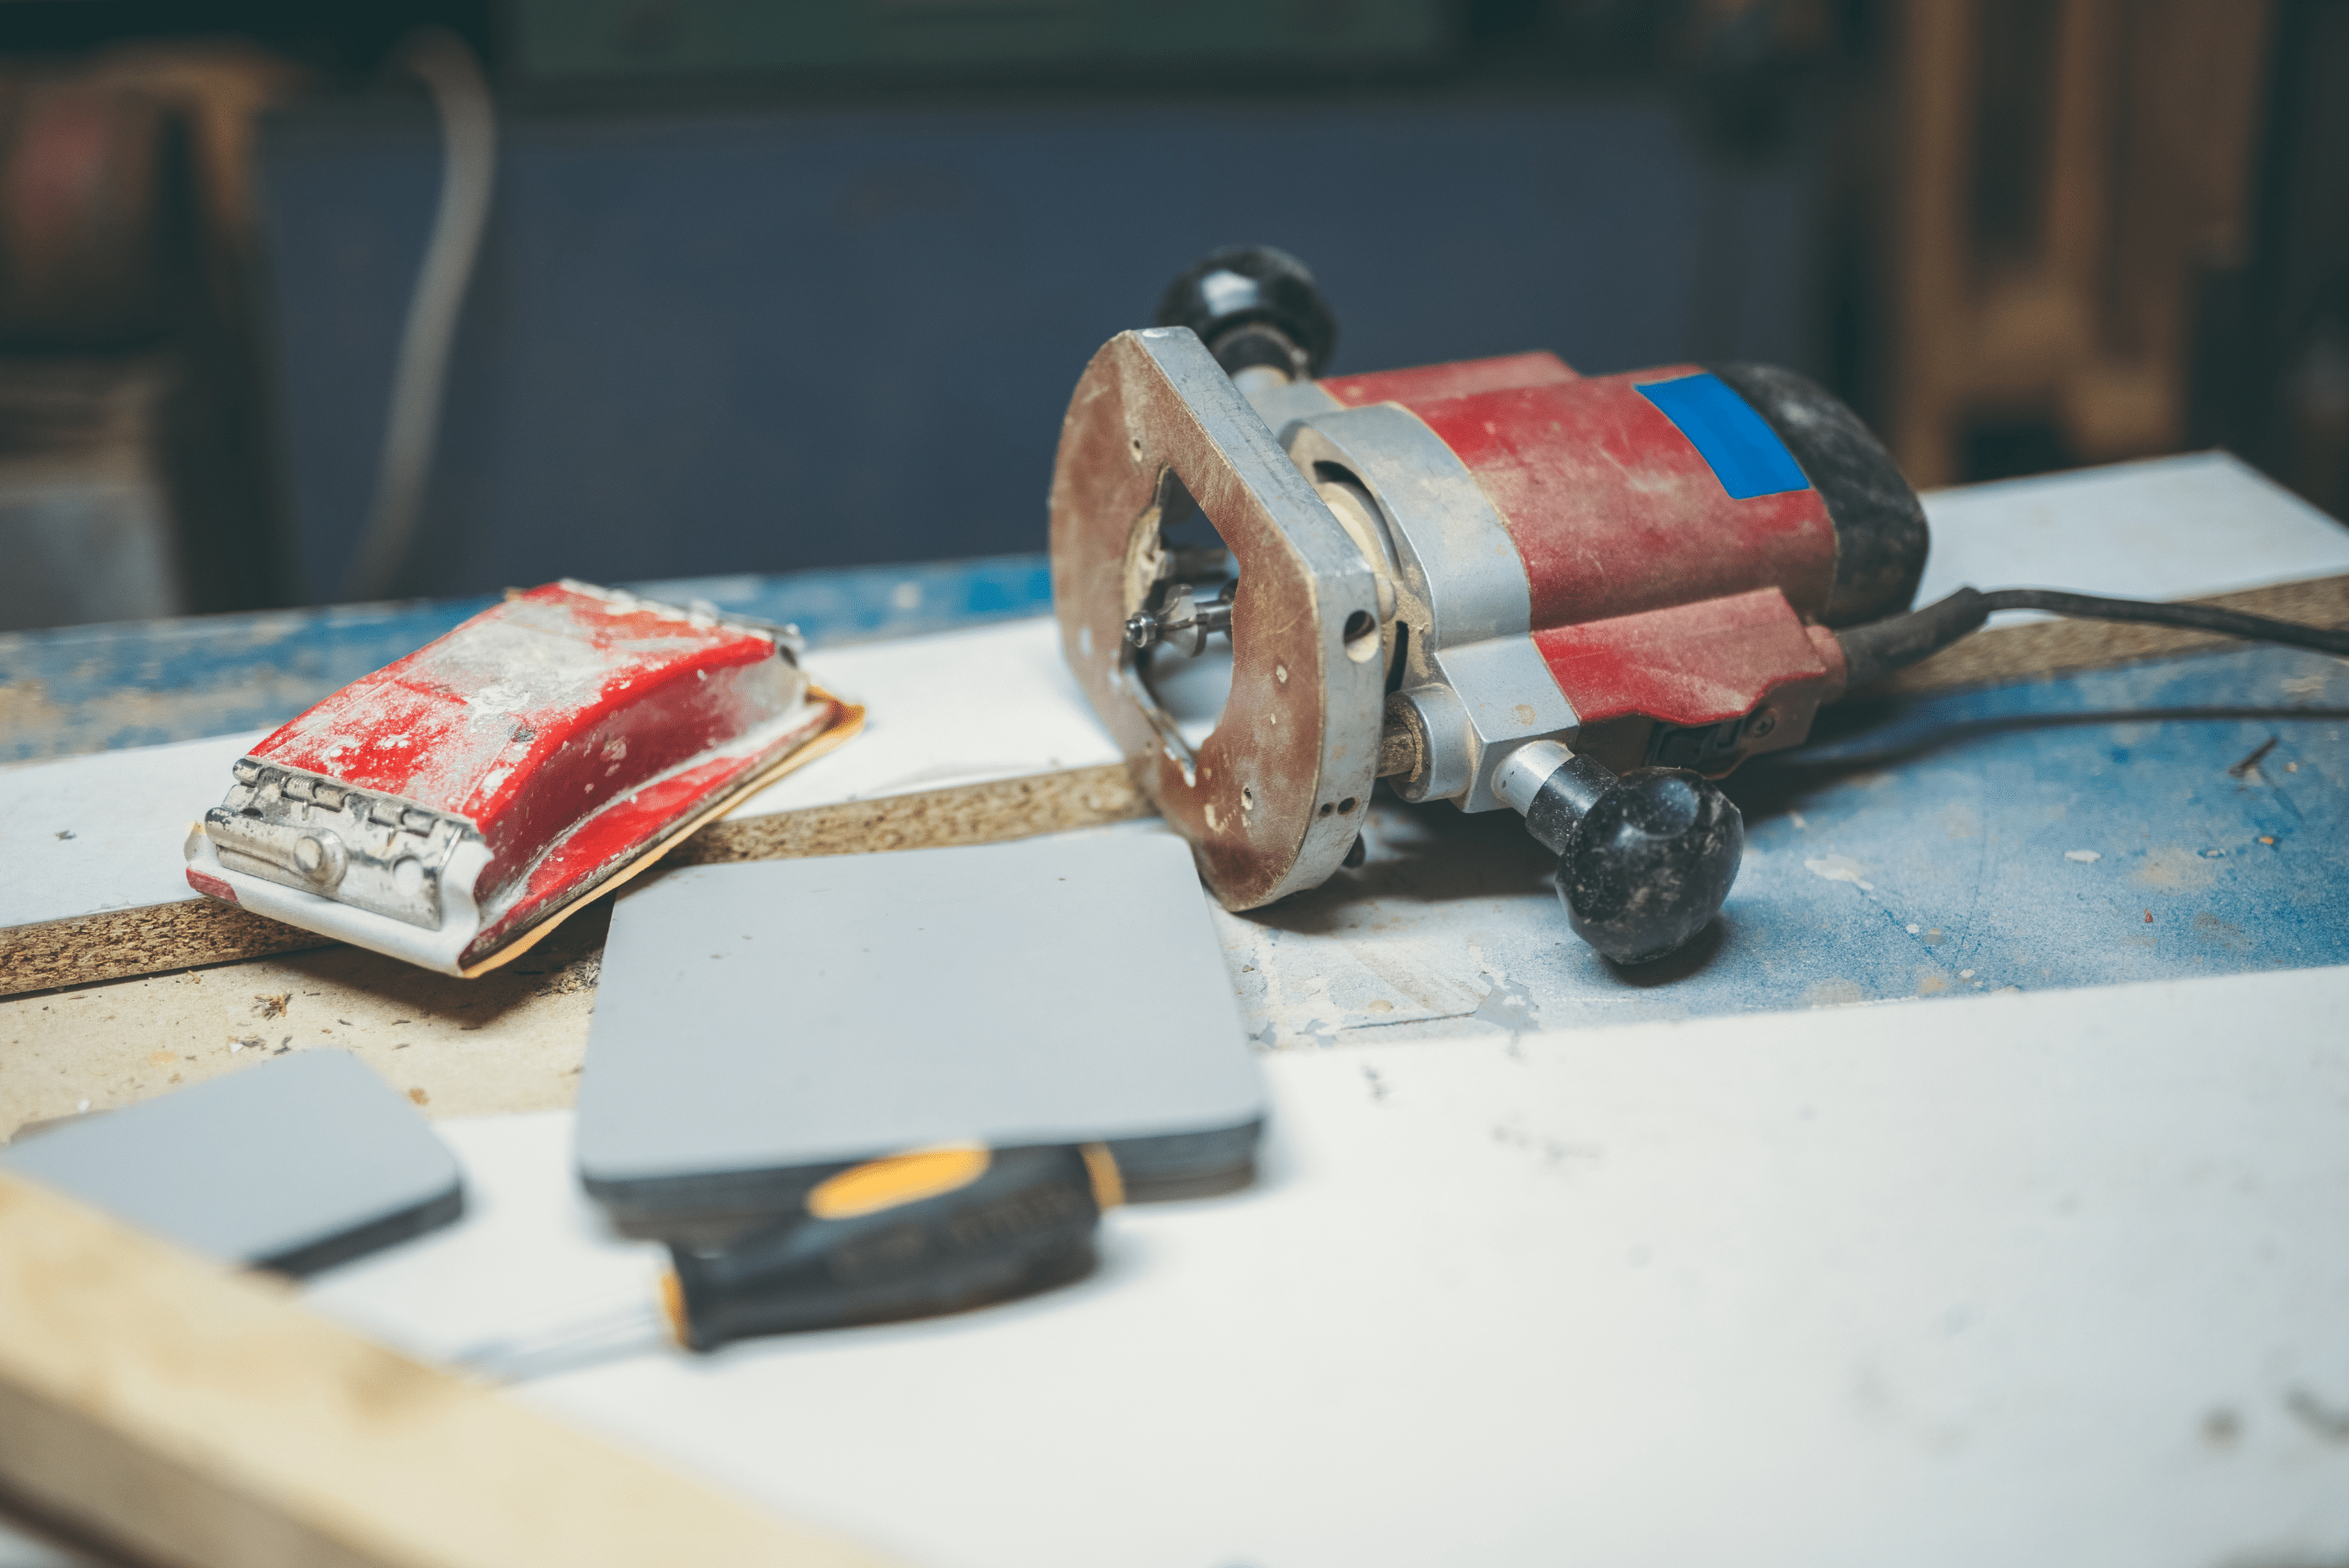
(760, 1025)
(302, 1162)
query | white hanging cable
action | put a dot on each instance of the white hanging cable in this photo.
(419, 380)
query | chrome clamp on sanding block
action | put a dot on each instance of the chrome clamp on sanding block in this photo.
(451, 808)
(1497, 581)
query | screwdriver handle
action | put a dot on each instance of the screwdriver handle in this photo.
(929, 1232)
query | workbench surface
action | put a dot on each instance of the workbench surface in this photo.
(1985, 1275)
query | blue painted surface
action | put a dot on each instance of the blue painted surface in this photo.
(862, 604)
(1964, 814)
(1744, 453)
(95, 688)
(1920, 851)
(99, 688)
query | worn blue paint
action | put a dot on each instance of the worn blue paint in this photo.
(1744, 453)
(861, 604)
(98, 688)
(1961, 813)
(95, 688)
(1954, 816)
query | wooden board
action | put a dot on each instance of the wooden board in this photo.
(2003, 655)
(152, 940)
(185, 1415)
(986, 812)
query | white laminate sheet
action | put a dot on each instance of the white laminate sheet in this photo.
(2035, 1278)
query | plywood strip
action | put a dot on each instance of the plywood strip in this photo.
(118, 944)
(2043, 649)
(969, 814)
(149, 941)
(186, 1414)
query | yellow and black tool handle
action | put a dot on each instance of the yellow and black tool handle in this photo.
(925, 1232)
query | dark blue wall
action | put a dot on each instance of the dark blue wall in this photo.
(760, 341)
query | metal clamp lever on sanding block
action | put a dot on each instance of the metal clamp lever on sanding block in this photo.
(453, 807)
(1497, 581)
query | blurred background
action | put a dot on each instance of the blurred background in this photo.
(300, 304)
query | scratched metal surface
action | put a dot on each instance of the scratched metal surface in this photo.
(99, 688)
(2074, 832)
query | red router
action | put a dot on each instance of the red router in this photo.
(453, 807)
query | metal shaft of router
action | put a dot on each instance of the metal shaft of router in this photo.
(1552, 788)
(1184, 625)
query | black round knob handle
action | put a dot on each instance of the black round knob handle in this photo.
(1251, 304)
(1650, 862)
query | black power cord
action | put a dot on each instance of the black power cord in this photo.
(1871, 652)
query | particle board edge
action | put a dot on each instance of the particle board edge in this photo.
(2042, 650)
(122, 944)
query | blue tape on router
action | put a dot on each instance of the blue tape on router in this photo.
(1746, 453)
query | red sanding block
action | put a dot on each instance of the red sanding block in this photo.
(453, 807)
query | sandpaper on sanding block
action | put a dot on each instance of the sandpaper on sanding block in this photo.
(304, 1161)
(760, 1026)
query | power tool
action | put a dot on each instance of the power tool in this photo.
(1494, 582)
